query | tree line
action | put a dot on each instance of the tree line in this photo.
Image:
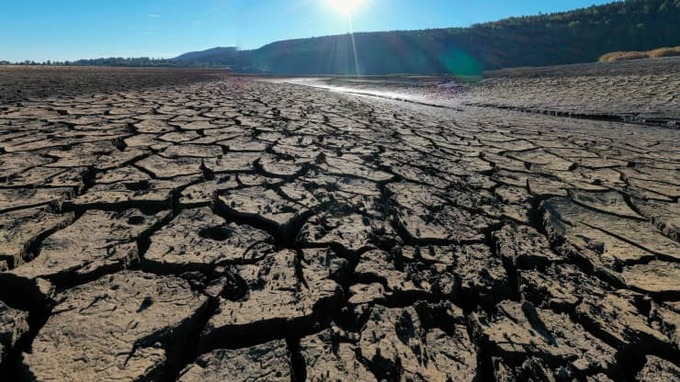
(562, 38)
(123, 62)
(577, 36)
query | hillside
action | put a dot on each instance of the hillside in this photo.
(219, 55)
(570, 37)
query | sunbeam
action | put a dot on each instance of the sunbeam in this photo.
(345, 7)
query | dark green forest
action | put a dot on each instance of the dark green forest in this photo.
(562, 38)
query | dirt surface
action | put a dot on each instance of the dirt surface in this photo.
(643, 92)
(640, 91)
(20, 83)
(239, 229)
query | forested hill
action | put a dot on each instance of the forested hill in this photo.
(562, 38)
(570, 37)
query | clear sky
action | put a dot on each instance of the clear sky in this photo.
(71, 29)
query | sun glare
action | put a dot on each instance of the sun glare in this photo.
(345, 7)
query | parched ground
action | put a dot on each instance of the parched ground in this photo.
(638, 91)
(245, 230)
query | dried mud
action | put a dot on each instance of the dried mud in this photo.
(640, 91)
(237, 229)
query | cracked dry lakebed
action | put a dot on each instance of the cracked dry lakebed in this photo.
(186, 225)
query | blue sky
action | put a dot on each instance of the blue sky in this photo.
(70, 29)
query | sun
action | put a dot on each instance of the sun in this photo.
(345, 7)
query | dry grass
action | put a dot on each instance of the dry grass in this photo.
(665, 52)
(636, 55)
